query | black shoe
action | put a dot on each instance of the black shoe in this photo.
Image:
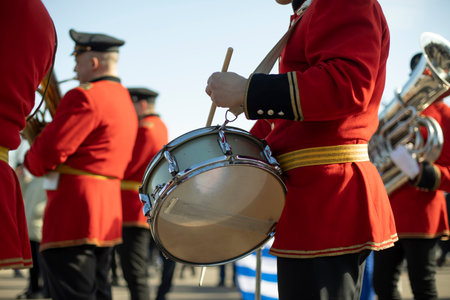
(23, 295)
(31, 295)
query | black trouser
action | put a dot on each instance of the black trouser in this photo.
(37, 272)
(133, 253)
(79, 272)
(222, 274)
(334, 277)
(166, 278)
(420, 257)
(114, 263)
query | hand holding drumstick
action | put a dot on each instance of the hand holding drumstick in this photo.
(226, 89)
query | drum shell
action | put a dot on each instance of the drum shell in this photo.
(198, 153)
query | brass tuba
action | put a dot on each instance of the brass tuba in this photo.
(401, 122)
(49, 89)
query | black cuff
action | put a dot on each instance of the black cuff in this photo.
(273, 97)
(429, 177)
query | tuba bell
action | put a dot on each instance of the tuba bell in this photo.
(50, 91)
(401, 122)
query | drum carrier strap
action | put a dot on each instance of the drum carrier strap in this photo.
(4, 154)
(65, 169)
(266, 65)
(323, 156)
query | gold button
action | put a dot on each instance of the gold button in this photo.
(270, 112)
(260, 111)
(281, 113)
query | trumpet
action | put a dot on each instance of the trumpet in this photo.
(51, 93)
(68, 79)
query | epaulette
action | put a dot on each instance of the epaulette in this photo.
(86, 86)
(147, 124)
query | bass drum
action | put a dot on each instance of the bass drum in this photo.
(212, 196)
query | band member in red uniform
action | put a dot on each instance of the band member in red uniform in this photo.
(83, 153)
(420, 216)
(28, 46)
(317, 116)
(151, 137)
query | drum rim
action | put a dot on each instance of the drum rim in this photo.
(234, 160)
(174, 258)
(199, 168)
(172, 184)
(155, 204)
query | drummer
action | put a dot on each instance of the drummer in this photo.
(83, 153)
(317, 116)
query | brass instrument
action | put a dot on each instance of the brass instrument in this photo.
(52, 97)
(400, 122)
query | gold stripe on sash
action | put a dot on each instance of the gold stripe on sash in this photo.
(64, 169)
(130, 185)
(323, 156)
(4, 154)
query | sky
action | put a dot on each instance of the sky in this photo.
(172, 47)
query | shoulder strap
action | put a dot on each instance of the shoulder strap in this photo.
(267, 63)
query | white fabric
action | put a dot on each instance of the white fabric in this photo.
(246, 275)
(35, 200)
(405, 162)
(51, 181)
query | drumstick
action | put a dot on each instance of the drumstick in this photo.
(202, 275)
(226, 63)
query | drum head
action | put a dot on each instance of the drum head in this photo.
(219, 215)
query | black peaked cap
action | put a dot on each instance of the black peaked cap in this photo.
(94, 42)
(138, 94)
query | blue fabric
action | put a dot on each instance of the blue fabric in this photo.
(368, 292)
(246, 273)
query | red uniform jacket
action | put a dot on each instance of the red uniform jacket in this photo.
(28, 44)
(420, 214)
(152, 136)
(332, 75)
(94, 130)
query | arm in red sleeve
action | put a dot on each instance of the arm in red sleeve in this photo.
(331, 66)
(436, 176)
(443, 163)
(74, 119)
(445, 178)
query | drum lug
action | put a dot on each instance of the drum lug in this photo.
(147, 204)
(226, 148)
(173, 165)
(268, 154)
(156, 191)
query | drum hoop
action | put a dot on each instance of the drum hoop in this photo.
(234, 160)
(166, 253)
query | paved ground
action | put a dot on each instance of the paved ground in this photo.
(187, 288)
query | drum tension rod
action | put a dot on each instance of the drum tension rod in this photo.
(226, 148)
(173, 165)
